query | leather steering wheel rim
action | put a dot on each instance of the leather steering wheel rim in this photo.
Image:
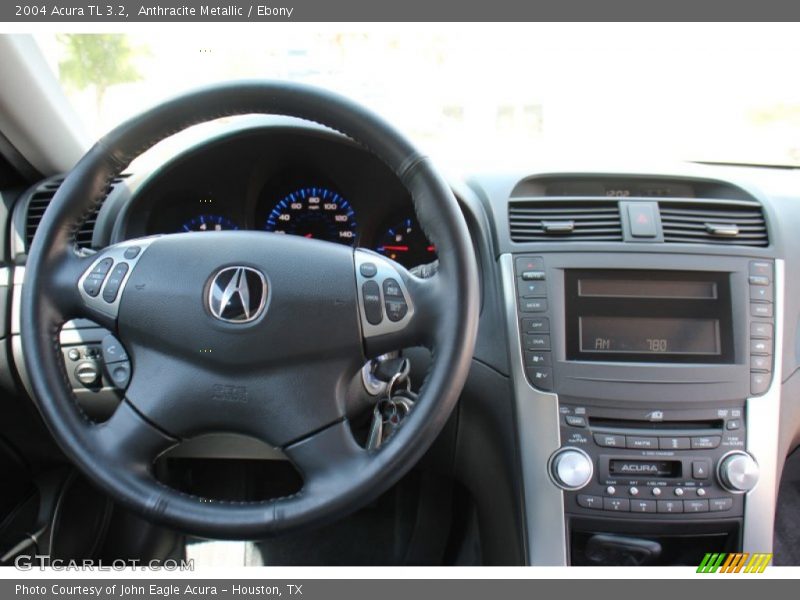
(116, 455)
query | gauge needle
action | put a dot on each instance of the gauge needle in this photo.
(396, 248)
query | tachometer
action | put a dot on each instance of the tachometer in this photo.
(314, 212)
(209, 223)
(407, 244)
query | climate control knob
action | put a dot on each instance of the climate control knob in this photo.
(738, 472)
(571, 468)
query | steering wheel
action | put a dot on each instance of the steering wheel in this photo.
(247, 332)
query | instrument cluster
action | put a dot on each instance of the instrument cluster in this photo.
(310, 211)
(282, 182)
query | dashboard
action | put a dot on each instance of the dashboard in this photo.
(631, 351)
(279, 183)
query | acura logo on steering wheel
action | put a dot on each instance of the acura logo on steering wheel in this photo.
(237, 294)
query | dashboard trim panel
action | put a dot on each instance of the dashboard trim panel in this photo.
(763, 425)
(538, 431)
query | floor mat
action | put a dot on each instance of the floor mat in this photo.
(787, 517)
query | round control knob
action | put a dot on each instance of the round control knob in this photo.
(738, 472)
(87, 373)
(571, 468)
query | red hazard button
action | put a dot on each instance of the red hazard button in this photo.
(642, 219)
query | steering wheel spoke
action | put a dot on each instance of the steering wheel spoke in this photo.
(103, 278)
(323, 455)
(397, 308)
(129, 438)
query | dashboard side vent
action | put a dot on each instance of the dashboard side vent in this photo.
(713, 222)
(576, 220)
(40, 200)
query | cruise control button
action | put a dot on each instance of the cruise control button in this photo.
(720, 504)
(674, 443)
(706, 442)
(641, 443)
(396, 308)
(617, 504)
(113, 350)
(392, 288)
(132, 252)
(695, 506)
(643, 506)
(670, 506)
(114, 282)
(541, 377)
(539, 325)
(373, 310)
(609, 441)
(587, 501)
(533, 305)
(368, 269)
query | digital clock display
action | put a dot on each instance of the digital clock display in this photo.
(644, 335)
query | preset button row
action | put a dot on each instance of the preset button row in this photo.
(654, 506)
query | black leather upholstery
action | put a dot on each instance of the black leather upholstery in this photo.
(115, 455)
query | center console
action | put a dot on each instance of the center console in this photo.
(648, 367)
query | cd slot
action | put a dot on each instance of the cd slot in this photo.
(714, 425)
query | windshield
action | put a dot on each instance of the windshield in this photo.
(483, 95)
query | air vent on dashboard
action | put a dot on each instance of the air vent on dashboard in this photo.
(40, 200)
(713, 222)
(533, 220)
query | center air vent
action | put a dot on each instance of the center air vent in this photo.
(534, 220)
(713, 222)
(39, 201)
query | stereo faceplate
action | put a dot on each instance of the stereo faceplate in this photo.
(654, 463)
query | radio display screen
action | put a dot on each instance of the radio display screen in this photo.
(649, 335)
(649, 468)
(648, 316)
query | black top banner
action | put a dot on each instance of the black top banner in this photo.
(127, 11)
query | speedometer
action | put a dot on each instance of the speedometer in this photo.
(314, 212)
